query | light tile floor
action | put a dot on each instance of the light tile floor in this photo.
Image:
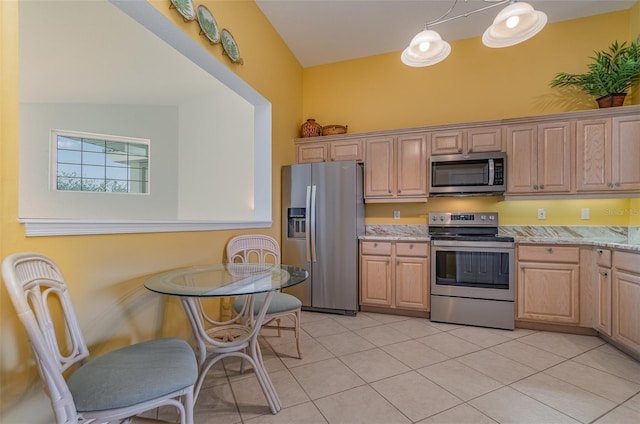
(376, 368)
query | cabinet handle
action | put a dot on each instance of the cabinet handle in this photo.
(397, 263)
(600, 251)
(618, 184)
(470, 149)
(610, 185)
(535, 186)
(460, 150)
(605, 274)
(411, 246)
(550, 250)
(521, 266)
(375, 244)
(541, 186)
(389, 191)
(399, 190)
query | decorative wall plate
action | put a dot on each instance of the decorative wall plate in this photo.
(230, 46)
(185, 8)
(208, 25)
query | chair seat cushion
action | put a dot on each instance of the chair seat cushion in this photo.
(281, 302)
(134, 374)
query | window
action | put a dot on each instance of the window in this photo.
(100, 163)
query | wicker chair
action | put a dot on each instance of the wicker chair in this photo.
(265, 249)
(115, 386)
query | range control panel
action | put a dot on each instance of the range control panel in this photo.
(459, 219)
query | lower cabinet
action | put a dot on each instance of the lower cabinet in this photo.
(394, 275)
(548, 284)
(625, 294)
(602, 292)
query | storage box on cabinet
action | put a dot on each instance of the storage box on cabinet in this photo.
(548, 285)
(395, 275)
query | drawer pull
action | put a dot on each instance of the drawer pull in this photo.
(605, 274)
(375, 244)
(411, 246)
(600, 251)
(550, 249)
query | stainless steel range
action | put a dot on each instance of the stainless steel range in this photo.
(472, 270)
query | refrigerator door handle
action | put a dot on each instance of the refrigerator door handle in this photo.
(313, 224)
(307, 230)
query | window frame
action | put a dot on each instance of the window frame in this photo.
(55, 133)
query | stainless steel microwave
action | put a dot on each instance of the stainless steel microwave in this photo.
(473, 173)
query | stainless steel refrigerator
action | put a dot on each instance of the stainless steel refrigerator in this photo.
(322, 217)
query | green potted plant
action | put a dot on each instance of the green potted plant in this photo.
(611, 73)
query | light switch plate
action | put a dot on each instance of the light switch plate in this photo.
(542, 213)
(585, 213)
(396, 214)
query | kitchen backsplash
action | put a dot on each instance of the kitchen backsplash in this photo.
(608, 234)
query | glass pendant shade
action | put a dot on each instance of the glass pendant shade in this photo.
(426, 48)
(514, 24)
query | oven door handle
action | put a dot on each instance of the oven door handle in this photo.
(474, 244)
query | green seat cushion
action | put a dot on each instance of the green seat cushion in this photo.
(281, 302)
(133, 374)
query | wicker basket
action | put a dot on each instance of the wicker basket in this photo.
(334, 129)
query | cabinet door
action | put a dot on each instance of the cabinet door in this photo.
(554, 157)
(411, 165)
(522, 152)
(484, 139)
(593, 154)
(312, 152)
(626, 153)
(376, 280)
(379, 167)
(626, 298)
(346, 150)
(447, 142)
(548, 292)
(411, 278)
(602, 301)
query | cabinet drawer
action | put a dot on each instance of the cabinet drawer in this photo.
(603, 257)
(376, 248)
(548, 253)
(412, 249)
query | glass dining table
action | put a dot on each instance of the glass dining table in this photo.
(238, 336)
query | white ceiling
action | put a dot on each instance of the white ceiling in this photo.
(326, 31)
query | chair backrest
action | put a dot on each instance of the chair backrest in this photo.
(39, 293)
(253, 248)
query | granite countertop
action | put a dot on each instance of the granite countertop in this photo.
(627, 238)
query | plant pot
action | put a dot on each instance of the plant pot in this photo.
(611, 100)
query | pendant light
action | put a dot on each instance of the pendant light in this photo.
(514, 24)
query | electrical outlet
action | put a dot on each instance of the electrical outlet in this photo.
(542, 213)
(396, 214)
(585, 213)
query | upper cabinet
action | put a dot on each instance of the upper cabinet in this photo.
(334, 150)
(470, 140)
(607, 154)
(539, 158)
(396, 169)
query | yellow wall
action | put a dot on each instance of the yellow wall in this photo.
(474, 83)
(105, 273)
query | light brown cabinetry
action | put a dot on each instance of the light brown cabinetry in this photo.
(395, 275)
(471, 140)
(625, 328)
(602, 292)
(539, 158)
(323, 151)
(548, 285)
(607, 152)
(396, 169)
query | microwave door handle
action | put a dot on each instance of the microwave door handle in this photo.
(492, 172)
